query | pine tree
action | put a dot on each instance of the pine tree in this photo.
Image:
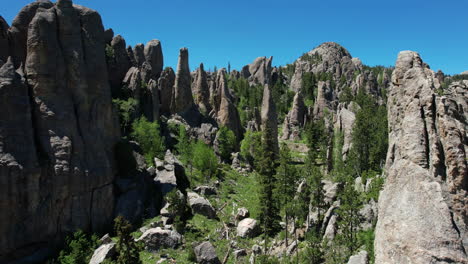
(128, 249)
(287, 178)
(269, 211)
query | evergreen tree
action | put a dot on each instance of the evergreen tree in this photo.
(226, 143)
(287, 178)
(266, 164)
(128, 249)
(148, 136)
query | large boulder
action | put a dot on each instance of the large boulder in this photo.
(200, 205)
(422, 214)
(248, 228)
(158, 238)
(360, 258)
(170, 174)
(58, 134)
(102, 253)
(206, 254)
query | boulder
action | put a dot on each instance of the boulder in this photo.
(158, 238)
(200, 205)
(171, 175)
(360, 258)
(239, 253)
(182, 96)
(241, 214)
(423, 206)
(206, 190)
(248, 228)
(108, 36)
(206, 254)
(106, 251)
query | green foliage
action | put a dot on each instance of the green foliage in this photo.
(312, 58)
(184, 147)
(250, 145)
(265, 165)
(226, 142)
(178, 207)
(148, 136)
(79, 248)
(349, 217)
(265, 259)
(366, 239)
(127, 112)
(309, 86)
(249, 98)
(282, 96)
(204, 159)
(317, 138)
(314, 252)
(346, 95)
(370, 134)
(128, 250)
(110, 53)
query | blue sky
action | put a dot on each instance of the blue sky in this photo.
(218, 32)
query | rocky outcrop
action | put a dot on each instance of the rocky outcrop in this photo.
(201, 90)
(295, 120)
(227, 114)
(269, 118)
(4, 43)
(166, 84)
(361, 258)
(324, 99)
(182, 94)
(57, 138)
(154, 57)
(345, 118)
(102, 253)
(422, 214)
(170, 174)
(118, 62)
(259, 72)
(18, 32)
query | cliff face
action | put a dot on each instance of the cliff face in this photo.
(423, 207)
(57, 128)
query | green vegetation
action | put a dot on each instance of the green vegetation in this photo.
(127, 112)
(250, 146)
(205, 160)
(128, 250)
(148, 136)
(78, 249)
(226, 143)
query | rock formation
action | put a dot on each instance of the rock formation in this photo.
(259, 72)
(227, 114)
(4, 44)
(295, 118)
(118, 62)
(270, 118)
(154, 57)
(423, 207)
(166, 84)
(201, 90)
(182, 94)
(57, 139)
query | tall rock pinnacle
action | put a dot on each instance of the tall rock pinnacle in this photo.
(183, 99)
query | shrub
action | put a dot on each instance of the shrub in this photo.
(78, 249)
(148, 136)
(127, 112)
(226, 142)
(250, 146)
(204, 159)
(128, 250)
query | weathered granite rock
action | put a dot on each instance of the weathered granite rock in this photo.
(108, 36)
(119, 63)
(295, 120)
(259, 72)
(248, 227)
(324, 98)
(182, 94)
(171, 176)
(200, 205)
(241, 214)
(158, 238)
(201, 90)
(206, 190)
(57, 139)
(361, 258)
(154, 57)
(166, 85)
(206, 254)
(270, 118)
(227, 115)
(18, 31)
(139, 54)
(102, 253)
(423, 207)
(4, 42)
(345, 122)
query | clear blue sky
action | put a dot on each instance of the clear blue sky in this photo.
(239, 31)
